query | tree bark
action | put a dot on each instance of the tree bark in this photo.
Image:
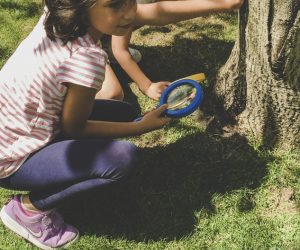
(260, 83)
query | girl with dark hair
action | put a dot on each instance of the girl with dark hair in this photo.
(55, 138)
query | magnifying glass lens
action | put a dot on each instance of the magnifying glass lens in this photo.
(181, 97)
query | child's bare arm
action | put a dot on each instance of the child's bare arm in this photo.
(166, 12)
(120, 46)
(78, 106)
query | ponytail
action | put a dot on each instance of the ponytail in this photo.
(67, 19)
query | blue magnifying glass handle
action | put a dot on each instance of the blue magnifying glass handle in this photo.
(138, 119)
(141, 117)
(181, 112)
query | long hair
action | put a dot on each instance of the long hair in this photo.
(67, 19)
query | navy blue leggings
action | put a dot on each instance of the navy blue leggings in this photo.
(66, 168)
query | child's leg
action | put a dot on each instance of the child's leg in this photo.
(108, 110)
(57, 172)
(61, 170)
(111, 88)
(68, 168)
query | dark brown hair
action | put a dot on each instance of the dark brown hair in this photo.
(67, 19)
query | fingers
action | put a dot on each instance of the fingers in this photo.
(163, 84)
(161, 109)
(166, 84)
(162, 87)
(155, 90)
(157, 118)
(157, 111)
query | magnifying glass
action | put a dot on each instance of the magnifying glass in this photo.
(183, 96)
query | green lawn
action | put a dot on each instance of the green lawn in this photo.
(195, 189)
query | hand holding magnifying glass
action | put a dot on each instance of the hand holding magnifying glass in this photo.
(183, 96)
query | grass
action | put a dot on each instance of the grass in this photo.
(194, 189)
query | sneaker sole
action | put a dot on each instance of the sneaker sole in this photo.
(18, 229)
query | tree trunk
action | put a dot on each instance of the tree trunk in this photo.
(260, 83)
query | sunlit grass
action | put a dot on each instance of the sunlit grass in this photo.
(194, 189)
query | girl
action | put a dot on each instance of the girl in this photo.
(52, 130)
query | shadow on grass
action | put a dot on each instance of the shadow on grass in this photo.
(185, 58)
(175, 181)
(172, 183)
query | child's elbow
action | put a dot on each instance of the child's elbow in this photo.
(71, 132)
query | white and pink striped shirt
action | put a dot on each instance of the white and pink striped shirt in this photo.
(32, 91)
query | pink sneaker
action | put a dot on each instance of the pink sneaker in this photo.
(46, 230)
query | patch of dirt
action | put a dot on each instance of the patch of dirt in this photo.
(282, 202)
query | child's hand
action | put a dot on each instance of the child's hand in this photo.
(155, 119)
(155, 89)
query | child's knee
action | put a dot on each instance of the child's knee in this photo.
(127, 156)
(118, 95)
(111, 94)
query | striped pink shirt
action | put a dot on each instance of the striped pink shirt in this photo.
(32, 91)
